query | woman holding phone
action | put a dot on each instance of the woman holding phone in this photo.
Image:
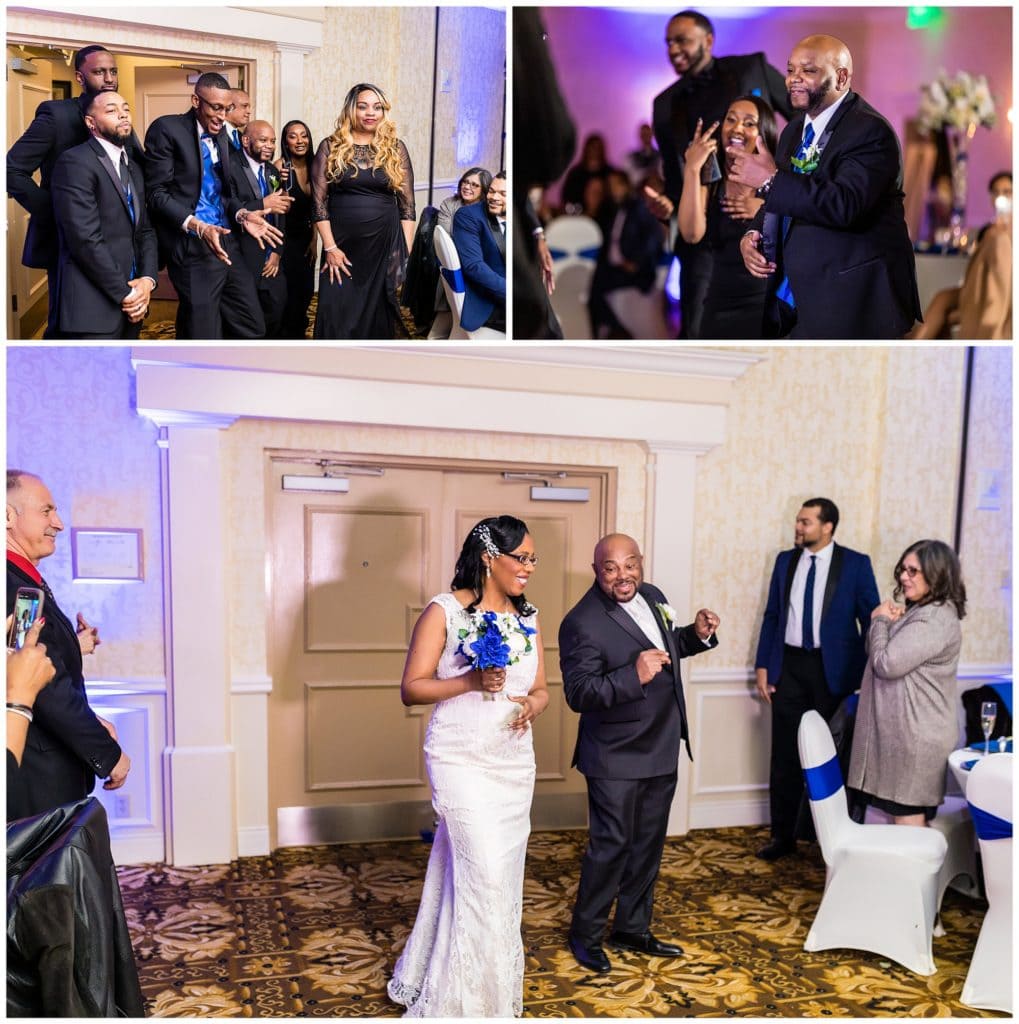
(300, 246)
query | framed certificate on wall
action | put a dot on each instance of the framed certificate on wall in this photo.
(108, 555)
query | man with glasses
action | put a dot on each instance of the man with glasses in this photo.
(620, 648)
(58, 126)
(811, 653)
(197, 217)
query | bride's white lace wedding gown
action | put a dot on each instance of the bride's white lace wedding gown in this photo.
(465, 957)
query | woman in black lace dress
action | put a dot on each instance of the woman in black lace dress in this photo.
(362, 190)
(716, 216)
(297, 264)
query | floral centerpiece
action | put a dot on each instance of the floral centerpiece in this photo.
(958, 106)
(490, 642)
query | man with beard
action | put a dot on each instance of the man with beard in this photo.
(810, 654)
(835, 240)
(706, 86)
(619, 650)
(197, 217)
(108, 260)
(256, 184)
(479, 234)
(58, 125)
(237, 116)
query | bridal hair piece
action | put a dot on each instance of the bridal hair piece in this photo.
(483, 533)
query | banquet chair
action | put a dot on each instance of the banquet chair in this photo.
(453, 286)
(989, 792)
(643, 313)
(574, 243)
(880, 888)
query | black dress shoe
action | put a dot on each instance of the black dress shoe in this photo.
(591, 957)
(777, 848)
(645, 943)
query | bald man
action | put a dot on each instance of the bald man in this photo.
(238, 116)
(255, 182)
(835, 244)
(619, 651)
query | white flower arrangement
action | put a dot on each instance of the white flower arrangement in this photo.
(668, 613)
(962, 102)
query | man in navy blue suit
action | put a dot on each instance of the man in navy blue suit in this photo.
(811, 650)
(479, 234)
(835, 242)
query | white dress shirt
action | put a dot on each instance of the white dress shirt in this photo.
(794, 623)
(821, 121)
(640, 611)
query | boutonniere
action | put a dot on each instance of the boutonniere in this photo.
(274, 180)
(668, 613)
(809, 161)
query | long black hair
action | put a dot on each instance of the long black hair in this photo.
(506, 532)
(285, 149)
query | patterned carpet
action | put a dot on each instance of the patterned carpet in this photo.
(315, 931)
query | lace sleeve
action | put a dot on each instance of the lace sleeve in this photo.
(319, 185)
(405, 195)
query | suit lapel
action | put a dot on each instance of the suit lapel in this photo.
(249, 176)
(844, 106)
(107, 165)
(622, 618)
(834, 571)
(790, 573)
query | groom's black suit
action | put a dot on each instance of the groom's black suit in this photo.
(628, 750)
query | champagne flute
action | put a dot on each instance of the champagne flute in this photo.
(988, 715)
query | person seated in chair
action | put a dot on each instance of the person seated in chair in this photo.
(629, 254)
(479, 235)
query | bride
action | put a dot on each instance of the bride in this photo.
(465, 957)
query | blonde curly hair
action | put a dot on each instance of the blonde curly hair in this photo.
(385, 151)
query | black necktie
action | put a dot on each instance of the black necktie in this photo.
(125, 184)
(808, 606)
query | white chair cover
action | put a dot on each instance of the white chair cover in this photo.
(880, 890)
(453, 285)
(574, 243)
(643, 313)
(989, 792)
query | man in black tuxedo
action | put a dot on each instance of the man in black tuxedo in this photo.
(108, 261)
(479, 234)
(619, 650)
(197, 217)
(706, 87)
(238, 116)
(67, 745)
(256, 184)
(58, 125)
(835, 241)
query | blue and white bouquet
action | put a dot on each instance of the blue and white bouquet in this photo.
(489, 642)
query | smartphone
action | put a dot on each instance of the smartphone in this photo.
(288, 168)
(27, 608)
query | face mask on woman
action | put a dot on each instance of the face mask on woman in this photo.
(1003, 206)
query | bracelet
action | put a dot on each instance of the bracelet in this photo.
(330, 248)
(20, 709)
(765, 188)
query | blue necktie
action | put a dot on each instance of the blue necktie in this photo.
(808, 606)
(235, 138)
(210, 204)
(261, 180)
(125, 184)
(785, 292)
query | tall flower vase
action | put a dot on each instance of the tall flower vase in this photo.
(958, 152)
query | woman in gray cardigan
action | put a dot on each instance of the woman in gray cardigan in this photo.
(907, 722)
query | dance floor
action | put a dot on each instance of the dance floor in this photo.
(315, 931)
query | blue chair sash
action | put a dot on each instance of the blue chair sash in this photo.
(990, 826)
(824, 780)
(455, 279)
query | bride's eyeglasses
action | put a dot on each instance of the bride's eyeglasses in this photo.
(522, 559)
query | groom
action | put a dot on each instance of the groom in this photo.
(619, 653)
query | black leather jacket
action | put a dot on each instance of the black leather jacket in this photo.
(68, 949)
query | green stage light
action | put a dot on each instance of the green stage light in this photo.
(924, 17)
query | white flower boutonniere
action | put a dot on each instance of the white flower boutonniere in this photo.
(668, 613)
(809, 161)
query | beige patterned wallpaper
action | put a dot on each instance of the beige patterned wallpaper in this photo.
(393, 47)
(877, 430)
(248, 440)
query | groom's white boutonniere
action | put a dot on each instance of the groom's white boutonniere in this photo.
(668, 613)
(809, 161)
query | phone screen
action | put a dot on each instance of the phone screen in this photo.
(27, 608)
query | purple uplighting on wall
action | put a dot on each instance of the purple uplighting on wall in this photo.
(611, 62)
